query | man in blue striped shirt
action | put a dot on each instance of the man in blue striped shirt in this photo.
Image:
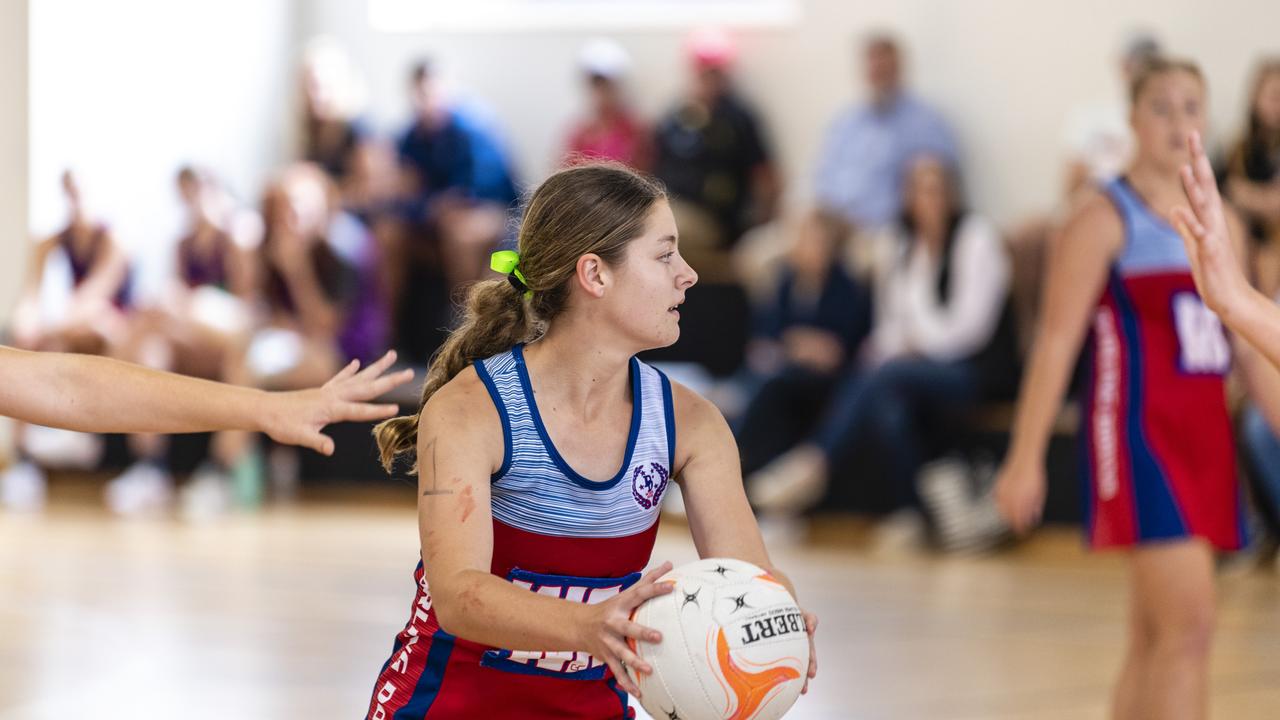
(869, 145)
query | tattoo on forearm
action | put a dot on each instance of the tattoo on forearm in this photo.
(435, 479)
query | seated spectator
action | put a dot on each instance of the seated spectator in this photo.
(74, 299)
(711, 153)
(331, 97)
(1253, 174)
(83, 260)
(193, 330)
(864, 158)
(806, 337)
(610, 131)
(941, 343)
(462, 184)
(321, 308)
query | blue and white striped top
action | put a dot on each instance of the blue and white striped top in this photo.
(535, 490)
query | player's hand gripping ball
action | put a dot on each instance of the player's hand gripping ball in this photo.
(734, 645)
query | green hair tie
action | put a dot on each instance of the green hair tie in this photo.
(507, 262)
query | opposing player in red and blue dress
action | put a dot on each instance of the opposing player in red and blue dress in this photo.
(543, 451)
(1158, 458)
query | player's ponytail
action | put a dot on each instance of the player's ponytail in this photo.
(596, 208)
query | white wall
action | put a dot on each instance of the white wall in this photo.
(1006, 72)
(127, 91)
(13, 148)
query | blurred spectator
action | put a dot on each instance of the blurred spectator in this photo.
(462, 196)
(1253, 173)
(610, 131)
(73, 299)
(941, 343)
(712, 156)
(194, 329)
(868, 146)
(805, 339)
(332, 97)
(76, 286)
(321, 308)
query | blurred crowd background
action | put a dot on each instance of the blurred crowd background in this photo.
(259, 192)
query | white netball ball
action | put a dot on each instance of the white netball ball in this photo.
(733, 646)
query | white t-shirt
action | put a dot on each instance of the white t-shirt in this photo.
(910, 317)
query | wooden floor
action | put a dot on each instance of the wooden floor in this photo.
(289, 613)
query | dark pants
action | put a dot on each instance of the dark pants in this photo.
(783, 411)
(904, 406)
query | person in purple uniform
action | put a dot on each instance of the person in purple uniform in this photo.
(73, 299)
(194, 330)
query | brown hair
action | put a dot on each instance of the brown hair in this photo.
(596, 208)
(1158, 65)
(1255, 132)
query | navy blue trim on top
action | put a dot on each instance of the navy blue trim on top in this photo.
(487, 379)
(637, 412)
(570, 581)
(669, 415)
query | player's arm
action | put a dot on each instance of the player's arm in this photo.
(709, 471)
(98, 394)
(1261, 378)
(1215, 259)
(459, 447)
(1079, 262)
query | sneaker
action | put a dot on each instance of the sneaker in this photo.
(961, 521)
(23, 488)
(901, 530)
(207, 495)
(248, 476)
(65, 449)
(791, 484)
(145, 488)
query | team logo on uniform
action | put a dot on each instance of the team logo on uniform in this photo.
(647, 484)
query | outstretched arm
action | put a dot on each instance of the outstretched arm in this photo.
(97, 394)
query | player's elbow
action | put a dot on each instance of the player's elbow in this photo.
(453, 600)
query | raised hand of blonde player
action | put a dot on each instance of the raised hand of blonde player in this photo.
(1206, 234)
(608, 628)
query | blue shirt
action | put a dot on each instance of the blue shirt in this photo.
(458, 157)
(864, 157)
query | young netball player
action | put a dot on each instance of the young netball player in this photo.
(543, 450)
(1158, 456)
(96, 394)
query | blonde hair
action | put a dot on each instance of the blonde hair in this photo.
(597, 208)
(1158, 65)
